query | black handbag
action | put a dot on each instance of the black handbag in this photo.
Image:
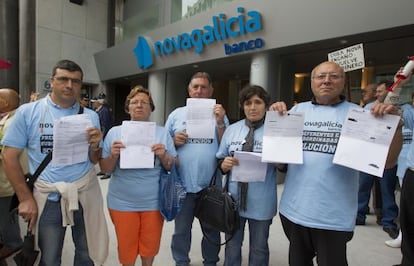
(216, 207)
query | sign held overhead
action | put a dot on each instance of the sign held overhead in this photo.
(350, 58)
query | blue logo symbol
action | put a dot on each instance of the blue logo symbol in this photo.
(143, 53)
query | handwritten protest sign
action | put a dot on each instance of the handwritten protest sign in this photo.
(350, 58)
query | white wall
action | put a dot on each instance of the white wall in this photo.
(69, 31)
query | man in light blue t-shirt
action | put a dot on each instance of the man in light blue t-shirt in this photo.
(64, 195)
(319, 201)
(197, 163)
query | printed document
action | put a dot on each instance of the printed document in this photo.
(138, 137)
(70, 140)
(201, 122)
(365, 140)
(250, 168)
(282, 138)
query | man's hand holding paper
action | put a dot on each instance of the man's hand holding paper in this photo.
(201, 121)
(283, 133)
(70, 140)
(365, 140)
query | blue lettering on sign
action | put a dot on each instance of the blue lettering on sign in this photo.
(221, 29)
(243, 46)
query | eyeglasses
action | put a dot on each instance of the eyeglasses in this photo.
(139, 102)
(65, 80)
(331, 76)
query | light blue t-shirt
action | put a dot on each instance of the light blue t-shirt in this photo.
(410, 153)
(408, 116)
(261, 196)
(135, 189)
(32, 128)
(318, 193)
(197, 156)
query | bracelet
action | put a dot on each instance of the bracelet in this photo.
(221, 125)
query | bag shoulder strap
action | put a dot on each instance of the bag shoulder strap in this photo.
(214, 179)
(42, 166)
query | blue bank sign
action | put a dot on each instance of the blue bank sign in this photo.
(221, 29)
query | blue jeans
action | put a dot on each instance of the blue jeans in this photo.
(258, 240)
(52, 234)
(9, 225)
(389, 207)
(181, 239)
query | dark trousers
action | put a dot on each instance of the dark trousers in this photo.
(377, 200)
(407, 219)
(305, 243)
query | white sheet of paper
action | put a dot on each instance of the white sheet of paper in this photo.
(365, 140)
(200, 118)
(282, 138)
(70, 140)
(137, 137)
(250, 168)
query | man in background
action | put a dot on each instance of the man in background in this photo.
(9, 222)
(369, 94)
(105, 119)
(389, 210)
(105, 116)
(84, 100)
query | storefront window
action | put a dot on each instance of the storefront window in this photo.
(145, 20)
(147, 16)
(186, 8)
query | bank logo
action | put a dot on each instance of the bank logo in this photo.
(143, 53)
(222, 28)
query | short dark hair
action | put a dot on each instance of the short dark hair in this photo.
(251, 90)
(67, 65)
(134, 91)
(386, 82)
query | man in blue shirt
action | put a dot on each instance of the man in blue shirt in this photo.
(197, 164)
(63, 194)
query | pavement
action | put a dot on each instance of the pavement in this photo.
(367, 247)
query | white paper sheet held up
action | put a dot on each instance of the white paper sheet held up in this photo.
(200, 118)
(282, 138)
(137, 136)
(250, 168)
(70, 140)
(365, 140)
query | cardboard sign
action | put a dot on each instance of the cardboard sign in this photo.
(350, 58)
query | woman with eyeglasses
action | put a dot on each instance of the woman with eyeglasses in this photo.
(132, 199)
